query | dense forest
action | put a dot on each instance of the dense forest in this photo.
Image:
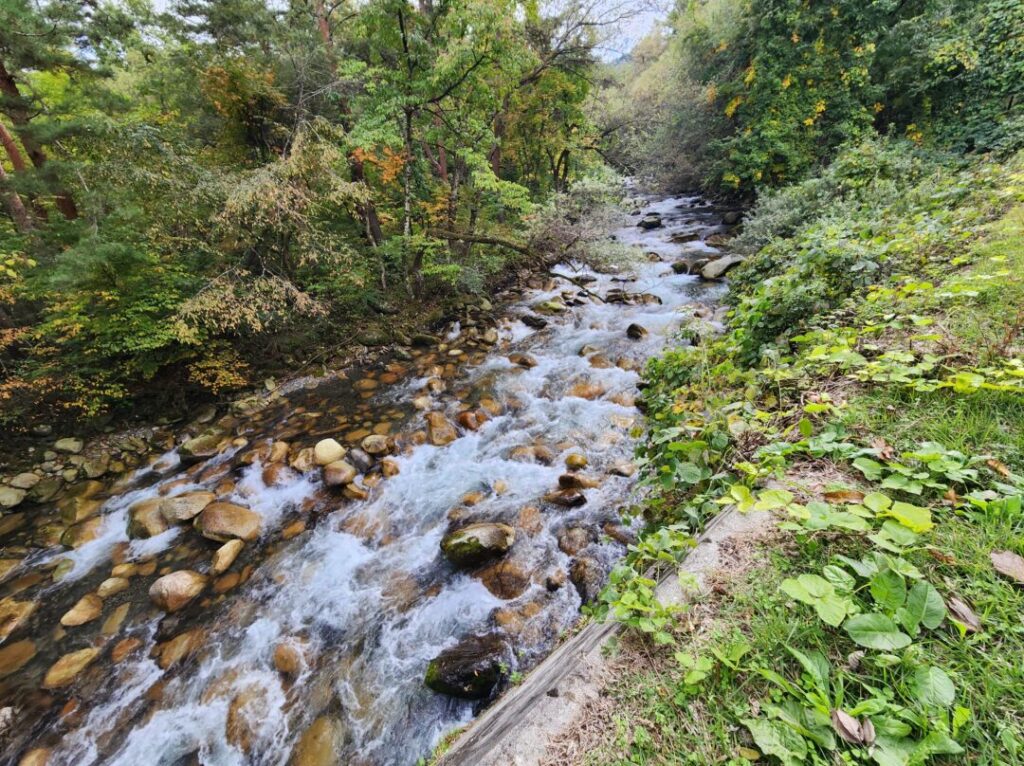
(198, 195)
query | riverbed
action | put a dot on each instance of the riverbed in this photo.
(311, 646)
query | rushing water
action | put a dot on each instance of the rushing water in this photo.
(359, 587)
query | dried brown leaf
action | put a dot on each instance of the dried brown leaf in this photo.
(884, 450)
(964, 615)
(867, 731)
(999, 468)
(847, 727)
(845, 496)
(1008, 564)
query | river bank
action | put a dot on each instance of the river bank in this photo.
(339, 596)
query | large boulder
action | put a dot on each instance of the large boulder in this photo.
(175, 590)
(717, 269)
(477, 543)
(227, 521)
(471, 669)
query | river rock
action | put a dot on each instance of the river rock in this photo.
(246, 714)
(288, 659)
(650, 221)
(553, 306)
(328, 451)
(224, 521)
(146, 520)
(476, 543)
(84, 532)
(25, 480)
(225, 556)
(440, 431)
(505, 579)
(13, 657)
(320, 744)
(575, 461)
(14, 614)
(578, 481)
(185, 507)
(523, 360)
(588, 576)
(88, 608)
(304, 460)
(11, 496)
(339, 473)
(471, 669)
(175, 590)
(573, 540)
(389, 468)
(201, 447)
(732, 217)
(47, 489)
(623, 468)
(589, 391)
(112, 586)
(636, 332)
(64, 671)
(375, 444)
(533, 321)
(69, 445)
(96, 466)
(566, 498)
(177, 649)
(361, 460)
(718, 268)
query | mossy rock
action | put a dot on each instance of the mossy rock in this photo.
(472, 669)
(477, 543)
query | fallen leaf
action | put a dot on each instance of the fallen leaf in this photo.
(1009, 564)
(844, 496)
(853, 661)
(847, 727)
(942, 556)
(884, 450)
(964, 614)
(867, 731)
(951, 497)
(999, 468)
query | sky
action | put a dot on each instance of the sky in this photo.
(632, 31)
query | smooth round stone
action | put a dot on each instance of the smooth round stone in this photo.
(88, 608)
(327, 451)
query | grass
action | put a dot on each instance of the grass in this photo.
(662, 713)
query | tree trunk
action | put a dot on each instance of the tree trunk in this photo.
(20, 216)
(15, 109)
(18, 163)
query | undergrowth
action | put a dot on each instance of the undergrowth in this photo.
(869, 393)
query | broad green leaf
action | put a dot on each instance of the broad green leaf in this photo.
(913, 517)
(774, 738)
(877, 502)
(841, 580)
(925, 607)
(773, 499)
(933, 688)
(871, 469)
(888, 589)
(876, 631)
(818, 592)
(816, 666)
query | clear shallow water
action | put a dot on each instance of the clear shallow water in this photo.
(364, 591)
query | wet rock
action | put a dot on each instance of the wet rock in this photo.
(576, 462)
(440, 431)
(14, 614)
(146, 520)
(681, 267)
(96, 466)
(294, 529)
(201, 447)
(320, 744)
(556, 580)
(47, 489)
(65, 670)
(277, 475)
(79, 534)
(25, 480)
(588, 576)
(328, 451)
(288, 660)
(566, 498)
(578, 481)
(619, 533)
(636, 332)
(389, 468)
(424, 340)
(681, 238)
(179, 648)
(246, 713)
(185, 507)
(732, 217)
(623, 468)
(573, 540)
(112, 586)
(69, 445)
(362, 461)
(717, 269)
(588, 391)
(375, 445)
(11, 496)
(224, 521)
(505, 579)
(534, 322)
(339, 473)
(175, 590)
(88, 608)
(553, 306)
(523, 360)
(13, 657)
(530, 520)
(650, 221)
(471, 669)
(489, 337)
(470, 420)
(225, 556)
(304, 460)
(356, 491)
(123, 648)
(477, 543)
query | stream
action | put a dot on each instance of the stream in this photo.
(311, 646)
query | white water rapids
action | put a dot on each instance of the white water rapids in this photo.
(366, 594)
